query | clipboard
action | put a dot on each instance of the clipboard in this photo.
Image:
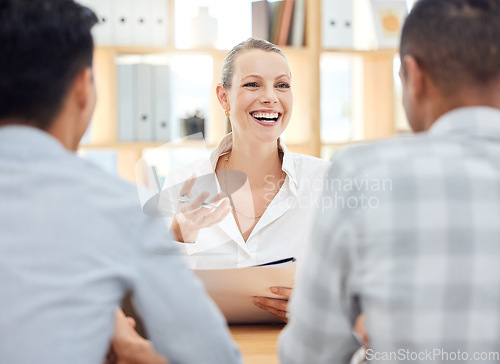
(233, 289)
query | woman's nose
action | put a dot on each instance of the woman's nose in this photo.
(269, 96)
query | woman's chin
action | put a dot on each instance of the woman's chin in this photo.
(261, 134)
(268, 136)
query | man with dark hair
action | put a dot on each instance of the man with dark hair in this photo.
(421, 257)
(73, 238)
(41, 58)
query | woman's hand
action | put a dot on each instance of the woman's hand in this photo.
(192, 216)
(276, 306)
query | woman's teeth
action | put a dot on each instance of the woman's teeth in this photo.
(266, 117)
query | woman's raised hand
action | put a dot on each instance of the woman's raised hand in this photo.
(194, 214)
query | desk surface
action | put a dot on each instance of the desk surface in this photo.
(258, 343)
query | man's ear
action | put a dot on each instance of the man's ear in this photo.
(414, 77)
(84, 90)
(222, 97)
(84, 101)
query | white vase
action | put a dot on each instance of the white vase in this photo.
(203, 29)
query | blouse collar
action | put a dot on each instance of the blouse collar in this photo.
(226, 144)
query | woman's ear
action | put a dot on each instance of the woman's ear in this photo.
(222, 97)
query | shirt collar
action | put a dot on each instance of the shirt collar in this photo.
(226, 144)
(25, 139)
(288, 164)
(477, 120)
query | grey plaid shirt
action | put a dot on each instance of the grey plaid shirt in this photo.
(414, 243)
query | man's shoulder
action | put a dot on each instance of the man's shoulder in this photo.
(308, 159)
(95, 189)
(107, 197)
(384, 153)
(391, 149)
(309, 166)
(93, 177)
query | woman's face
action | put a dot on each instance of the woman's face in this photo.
(260, 98)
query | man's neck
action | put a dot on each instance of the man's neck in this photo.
(65, 136)
(471, 97)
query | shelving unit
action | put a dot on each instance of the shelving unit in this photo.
(375, 101)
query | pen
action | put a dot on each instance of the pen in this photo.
(208, 205)
(157, 180)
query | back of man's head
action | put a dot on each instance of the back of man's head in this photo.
(44, 44)
(456, 41)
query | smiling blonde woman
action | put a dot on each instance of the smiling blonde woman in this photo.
(267, 214)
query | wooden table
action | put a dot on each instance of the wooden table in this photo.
(258, 343)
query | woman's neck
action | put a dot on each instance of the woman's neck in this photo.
(256, 160)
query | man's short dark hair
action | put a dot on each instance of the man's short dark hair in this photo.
(456, 41)
(43, 45)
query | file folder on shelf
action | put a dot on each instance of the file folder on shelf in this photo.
(337, 24)
(141, 22)
(127, 125)
(102, 32)
(298, 23)
(261, 19)
(161, 102)
(130, 22)
(158, 22)
(144, 104)
(122, 21)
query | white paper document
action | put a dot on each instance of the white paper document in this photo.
(233, 289)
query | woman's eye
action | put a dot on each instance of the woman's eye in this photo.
(251, 84)
(283, 85)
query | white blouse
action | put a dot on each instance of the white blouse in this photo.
(283, 231)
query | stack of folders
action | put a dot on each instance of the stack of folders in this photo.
(280, 22)
(361, 24)
(130, 22)
(143, 102)
(337, 24)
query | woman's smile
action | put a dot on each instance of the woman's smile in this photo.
(266, 117)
